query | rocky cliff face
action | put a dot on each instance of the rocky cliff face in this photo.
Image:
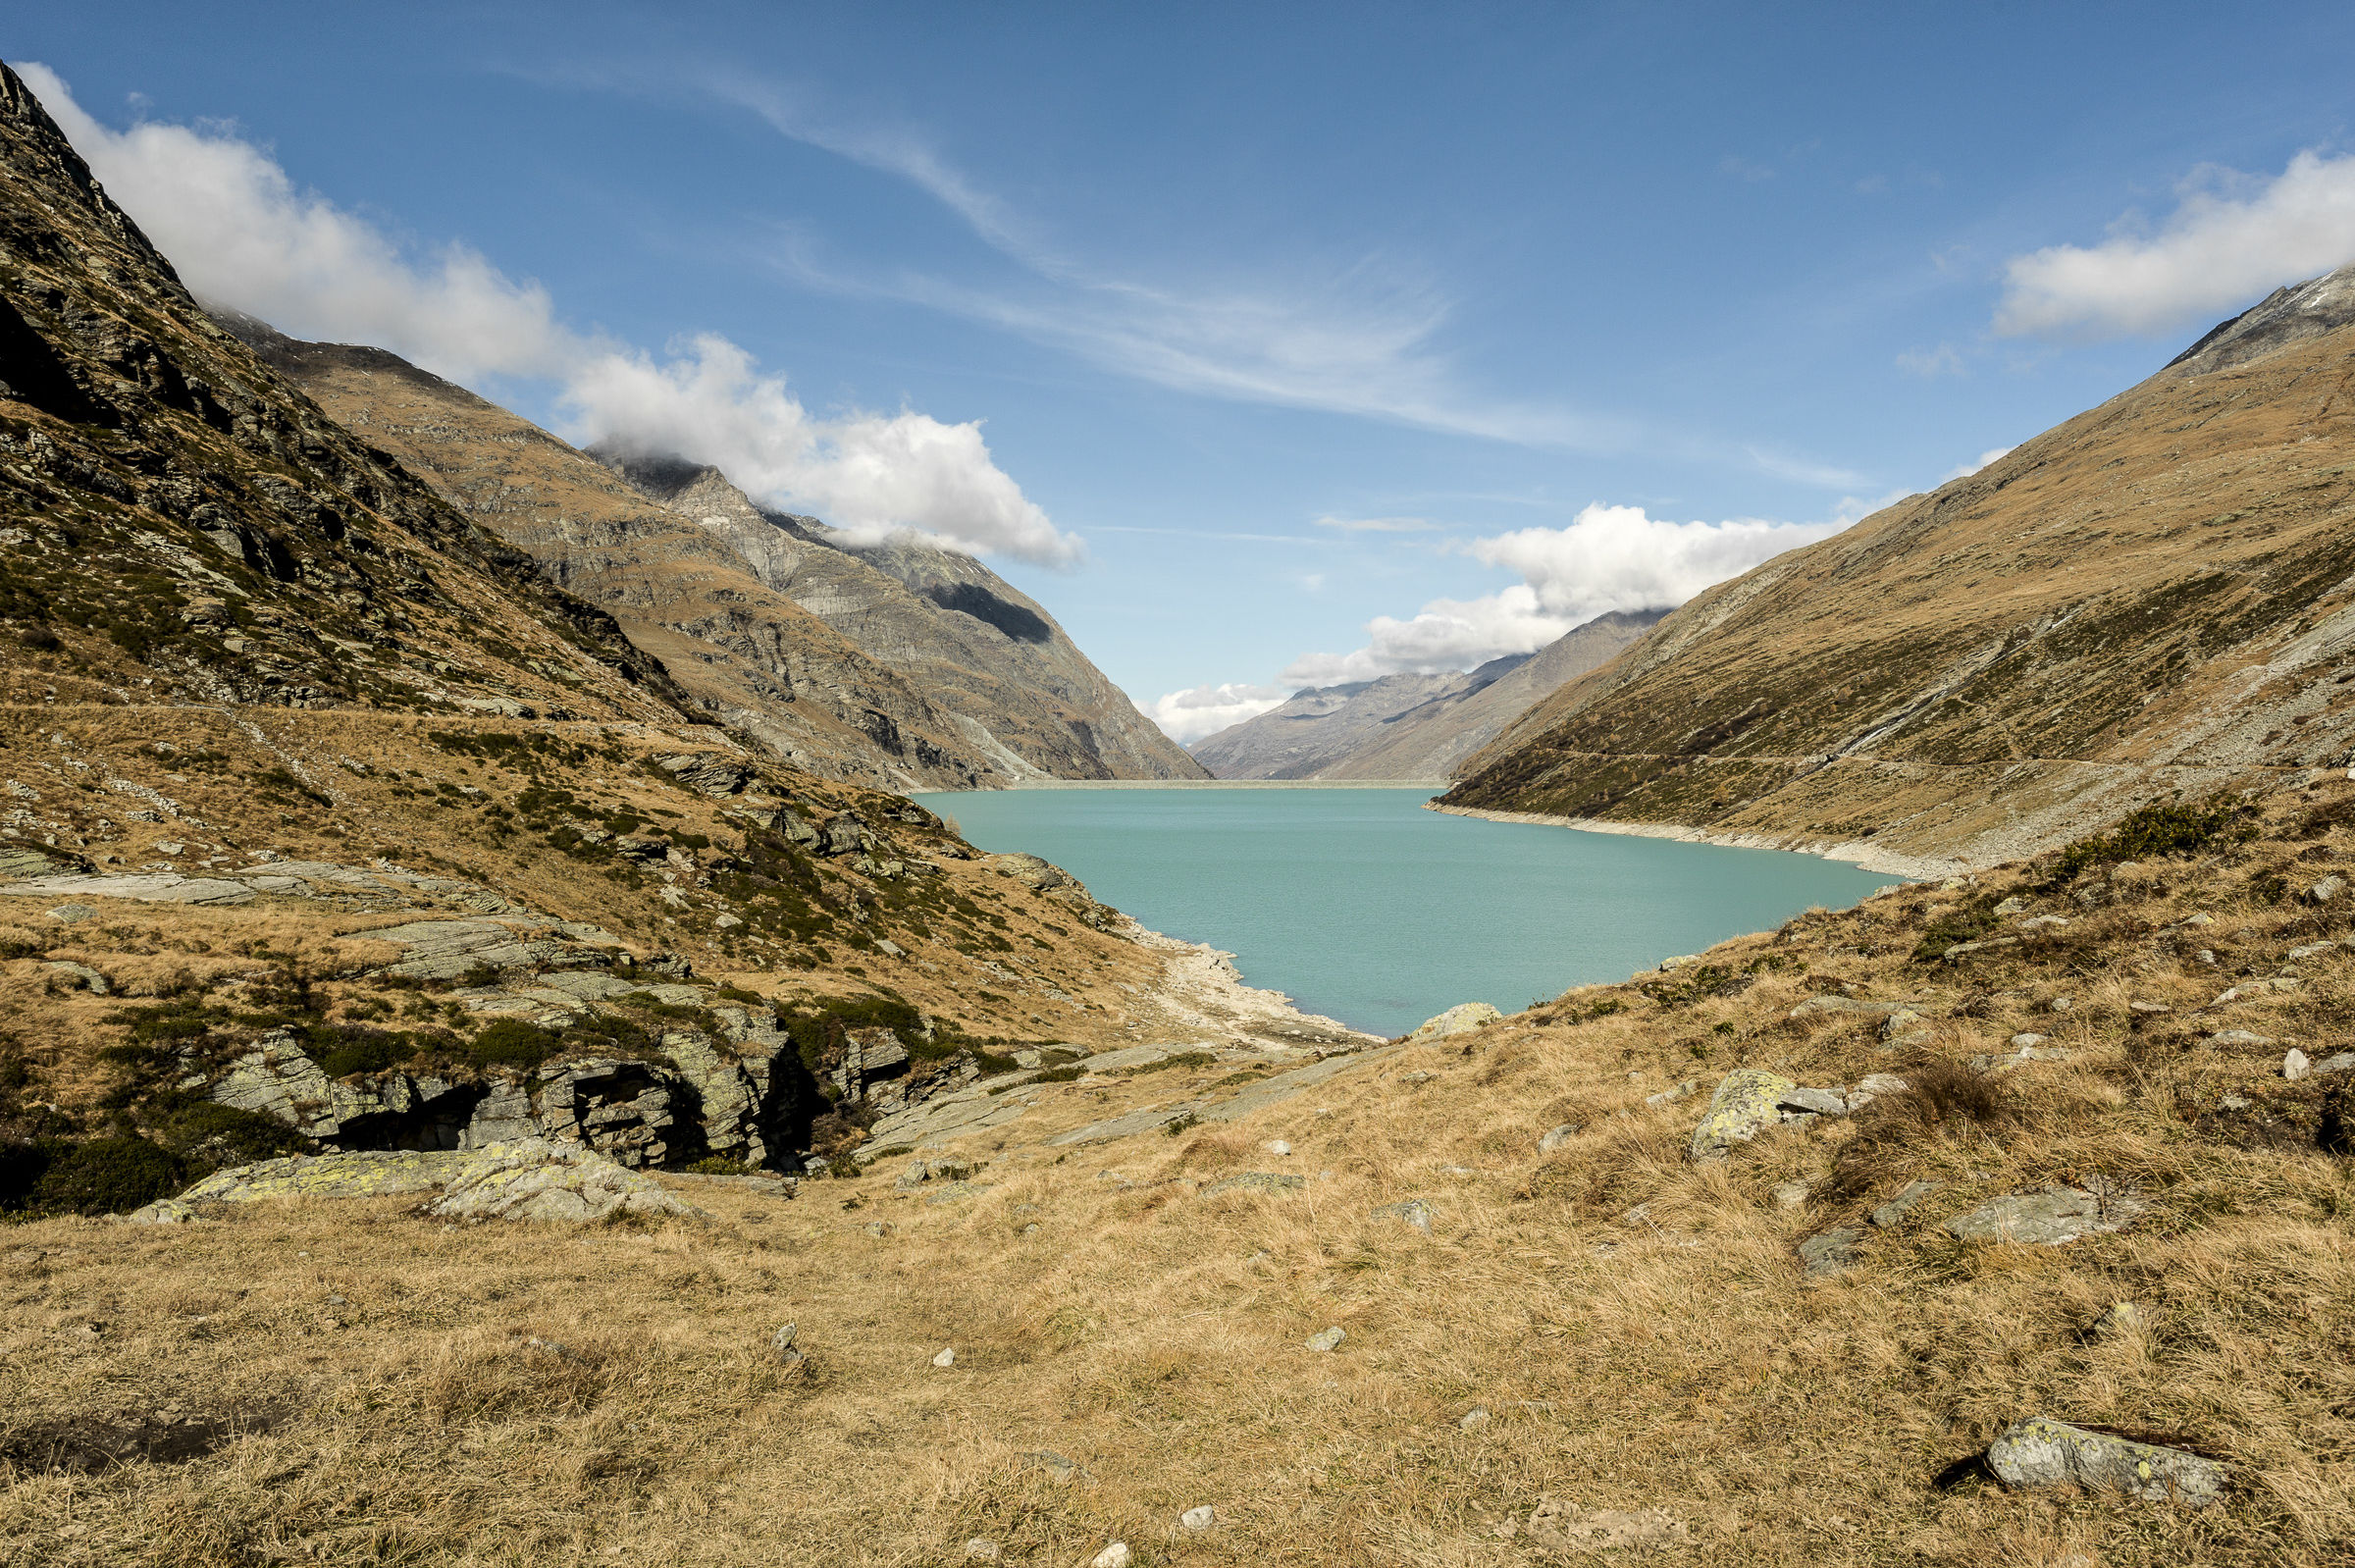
(2157, 596)
(1019, 691)
(1412, 726)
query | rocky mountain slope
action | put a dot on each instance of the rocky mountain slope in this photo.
(988, 655)
(1410, 726)
(2157, 596)
(330, 824)
(748, 656)
(1432, 741)
(899, 666)
(1321, 725)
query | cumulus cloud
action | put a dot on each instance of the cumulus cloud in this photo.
(1608, 558)
(2232, 238)
(244, 235)
(1187, 716)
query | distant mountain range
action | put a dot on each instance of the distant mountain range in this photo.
(898, 664)
(2157, 596)
(1410, 726)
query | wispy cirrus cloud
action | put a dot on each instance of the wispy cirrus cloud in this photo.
(1377, 525)
(1364, 339)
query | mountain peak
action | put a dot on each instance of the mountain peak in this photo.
(2286, 316)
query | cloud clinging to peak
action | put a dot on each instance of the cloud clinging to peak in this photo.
(2230, 240)
(241, 233)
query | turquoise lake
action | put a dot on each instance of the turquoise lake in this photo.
(1362, 906)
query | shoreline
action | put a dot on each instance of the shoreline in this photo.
(1435, 785)
(1860, 853)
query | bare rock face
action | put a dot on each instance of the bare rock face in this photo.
(2284, 317)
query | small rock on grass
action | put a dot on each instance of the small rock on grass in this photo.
(947, 1358)
(1414, 1211)
(1329, 1339)
(1831, 1253)
(980, 1549)
(2294, 1064)
(1201, 1518)
(1744, 1105)
(1790, 1194)
(1475, 1418)
(1896, 1209)
(1115, 1555)
(1276, 1146)
(1556, 1137)
(2123, 1318)
(2042, 1452)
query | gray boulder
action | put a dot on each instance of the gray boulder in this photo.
(1894, 1212)
(1832, 1253)
(1747, 1102)
(2042, 1452)
(2051, 1218)
(1461, 1019)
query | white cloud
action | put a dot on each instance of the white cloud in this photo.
(1608, 558)
(243, 234)
(2232, 238)
(1188, 716)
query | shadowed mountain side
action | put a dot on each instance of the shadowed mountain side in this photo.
(2158, 595)
(1021, 692)
(177, 520)
(750, 655)
(1432, 741)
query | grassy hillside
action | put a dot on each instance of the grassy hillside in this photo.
(2152, 596)
(1604, 1322)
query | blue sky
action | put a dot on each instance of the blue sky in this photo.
(1262, 344)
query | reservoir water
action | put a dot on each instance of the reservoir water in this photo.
(1360, 904)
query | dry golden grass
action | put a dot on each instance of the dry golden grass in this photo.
(546, 1395)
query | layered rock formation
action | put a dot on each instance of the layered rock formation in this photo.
(2157, 596)
(1410, 726)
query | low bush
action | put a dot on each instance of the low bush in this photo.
(2163, 828)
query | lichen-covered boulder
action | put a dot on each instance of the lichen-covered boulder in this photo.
(1461, 1019)
(2042, 1452)
(1748, 1099)
(585, 1188)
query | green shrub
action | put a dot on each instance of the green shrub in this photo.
(214, 1136)
(2163, 828)
(511, 1042)
(361, 1050)
(106, 1175)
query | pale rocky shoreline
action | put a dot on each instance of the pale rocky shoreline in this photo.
(1862, 853)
